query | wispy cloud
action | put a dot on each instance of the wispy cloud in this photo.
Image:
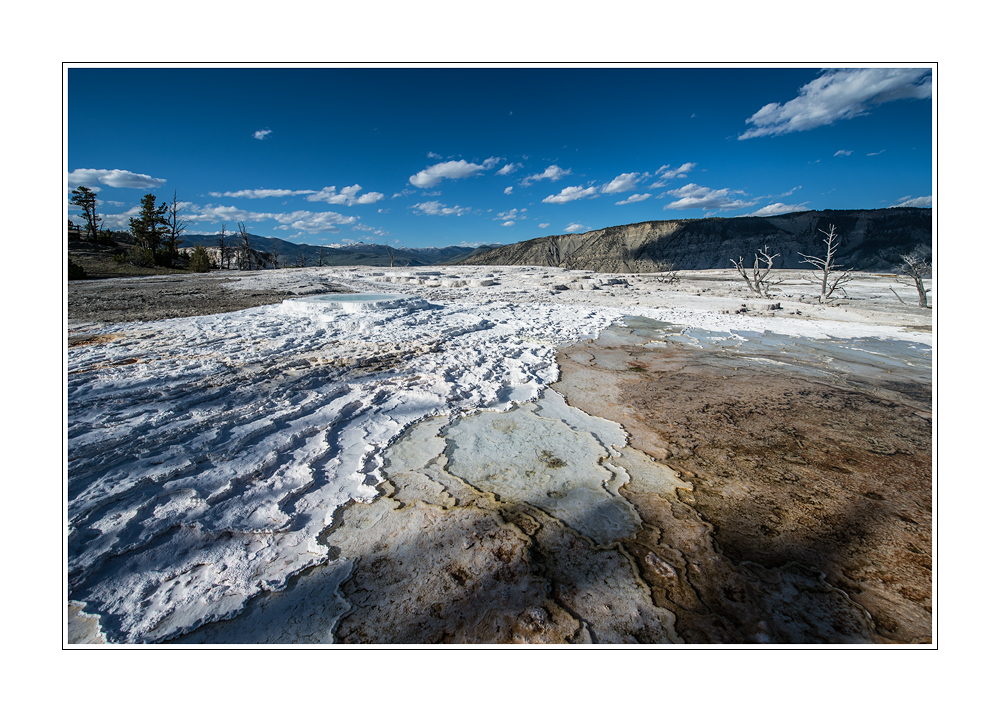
(116, 178)
(574, 227)
(436, 208)
(877, 152)
(432, 175)
(376, 231)
(552, 173)
(543, 225)
(778, 209)
(842, 152)
(512, 214)
(346, 196)
(508, 169)
(574, 192)
(624, 182)
(838, 95)
(635, 199)
(785, 194)
(508, 190)
(261, 193)
(666, 174)
(695, 196)
(907, 202)
(262, 134)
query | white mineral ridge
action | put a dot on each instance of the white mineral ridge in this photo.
(208, 454)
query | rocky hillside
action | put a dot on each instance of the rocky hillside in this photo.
(358, 254)
(870, 240)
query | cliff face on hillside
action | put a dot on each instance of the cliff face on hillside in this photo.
(870, 240)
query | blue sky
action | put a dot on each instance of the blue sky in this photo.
(420, 157)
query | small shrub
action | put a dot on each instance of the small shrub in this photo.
(76, 271)
(164, 257)
(137, 257)
(200, 261)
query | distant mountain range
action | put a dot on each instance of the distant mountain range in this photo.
(870, 240)
(357, 254)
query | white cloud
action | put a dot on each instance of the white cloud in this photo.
(907, 202)
(666, 174)
(785, 194)
(302, 220)
(508, 169)
(262, 134)
(115, 178)
(511, 214)
(574, 227)
(543, 225)
(346, 196)
(376, 231)
(778, 209)
(624, 182)
(508, 223)
(261, 193)
(310, 222)
(552, 173)
(842, 152)
(119, 221)
(695, 196)
(574, 192)
(435, 208)
(635, 199)
(836, 95)
(432, 175)
(877, 152)
(403, 193)
(508, 190)
(431, 154)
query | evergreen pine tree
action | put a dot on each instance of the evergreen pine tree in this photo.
(149, 228)
(86, 200)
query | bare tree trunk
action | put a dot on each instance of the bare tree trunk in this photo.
(223, 250)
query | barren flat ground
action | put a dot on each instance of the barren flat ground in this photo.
(496, 455)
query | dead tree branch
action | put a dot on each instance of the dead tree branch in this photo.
(759, 283)
(831, 281)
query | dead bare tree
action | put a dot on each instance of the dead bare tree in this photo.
(274, 255)
(175, 227)
(831, 281)
(225, 251)
(667, 273)
(760, 282)
(392, 254)
(916, 268)
(247, 257)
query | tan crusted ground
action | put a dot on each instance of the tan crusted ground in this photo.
(786, 471)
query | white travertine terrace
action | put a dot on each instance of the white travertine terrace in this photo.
(207, 455)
